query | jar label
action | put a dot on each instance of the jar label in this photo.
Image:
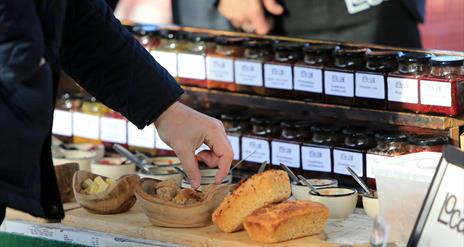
(286, 153)
(435, 93)
(113, 130)
(249, 73)
(203, 147)
(308, 79)
(235, 143)
(220, 69)
(262, 153)
(372, 160)
(86, 125)
(342, 159)
(167, 59)
(370, 86)
(191, 66)
(339, 83)
(144, 138)
(62, 123)
(403, 90)
(278, 76)
(160, 144)
(316, 159)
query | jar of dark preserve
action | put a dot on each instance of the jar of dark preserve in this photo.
(427, 143)
(249, 76)
(278, 73)
(191, 66)
(220, 63)
(403, 85)
(286, 149)
(339, 81)
(442, 91)
(371, 82)
(308, 75)
(236, 125)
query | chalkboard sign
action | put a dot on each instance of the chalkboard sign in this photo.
(441, 219)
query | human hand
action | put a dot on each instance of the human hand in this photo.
(249, 15)
(184, 130)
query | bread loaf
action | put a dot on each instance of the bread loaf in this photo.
(287, 220)
(261, 189)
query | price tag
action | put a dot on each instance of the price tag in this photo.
(316, 159)
(62, 123)
(339, 83)
(403, 90)
(278, 76)
(160, 144)
(235, 143)
(262, 147)
(113, 130)
(220, 69)
(435, 93)
(167, 59)
(308, 79)
(370, 86)
(86, 125)
(342, 159)
(373, 159)
(286, 153)
(191, 66)
(144, 138)
(249, 73)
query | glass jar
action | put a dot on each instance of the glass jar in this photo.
(62, 118)
(191, 66)
(286, 149)
(249, 76)
(339, 81)
(371, 82)
(113, 129)
(165, 54)
(236, 125)
(147, 35)
(278, 73)
(426, 143)
(86, 123)
(403, 85)
(442, 91)
(308, 73)
(220, 63)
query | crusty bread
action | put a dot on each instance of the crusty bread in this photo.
(287, 220)
(261, 189)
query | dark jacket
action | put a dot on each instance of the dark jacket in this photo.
(83, 38)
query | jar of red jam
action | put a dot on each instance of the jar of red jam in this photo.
(278, 73)
(286, 149)
(249, 75)
(339, 81)
(191, 66)
(403, 85)
(236, 125)
(442, 91)
(171, 42)
(426, 143)
(308, 74)
(371, 82)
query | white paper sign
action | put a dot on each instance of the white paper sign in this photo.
(435, 93)
(113, 130)
(249, 73)
(372, 160)
(167, 59)
(220, 69)
(278, 76)
(403, 90)
(62, 123)
(316, 159)
(342, 159)
(286, 153)
(160, 144)
(262, 147)
(339, 83)
(308, 79)
(191, 66)
(86, 125)
(370, 86)
(235, 143)
(144, 138)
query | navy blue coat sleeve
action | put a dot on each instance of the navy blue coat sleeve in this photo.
(104, 58)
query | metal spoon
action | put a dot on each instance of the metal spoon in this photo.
(241, 161)
(262, 167)
(186, 178)
(310, 186)
(126, 153)
(292, 175)
(360, 182)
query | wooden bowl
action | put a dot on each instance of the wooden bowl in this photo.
(118, 198)
(64, 177)
(169, 214)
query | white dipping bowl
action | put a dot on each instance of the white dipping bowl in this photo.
(162, 173)
(83, 158)
(206, 180)
(341, 201)
(301, 192)
(99, 149)
(166, 161)
(371, 205)
(111, 167)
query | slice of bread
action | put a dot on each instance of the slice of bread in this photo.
(260, 190)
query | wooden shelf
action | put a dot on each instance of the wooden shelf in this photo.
(326, 110)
